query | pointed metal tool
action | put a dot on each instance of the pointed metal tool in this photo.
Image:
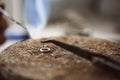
(96, 59)
(6, 14)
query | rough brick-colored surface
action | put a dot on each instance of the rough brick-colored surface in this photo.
(23, 60)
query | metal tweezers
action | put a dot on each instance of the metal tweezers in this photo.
(97, 59)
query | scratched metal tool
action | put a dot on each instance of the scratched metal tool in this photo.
(98, 60)
(6, 14)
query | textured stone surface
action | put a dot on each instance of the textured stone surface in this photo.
(23, 61)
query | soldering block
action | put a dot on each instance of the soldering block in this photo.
(23, 60)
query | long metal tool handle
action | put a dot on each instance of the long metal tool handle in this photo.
(5, 13)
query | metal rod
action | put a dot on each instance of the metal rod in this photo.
(5, 13)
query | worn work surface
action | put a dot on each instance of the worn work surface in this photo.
(23, 61)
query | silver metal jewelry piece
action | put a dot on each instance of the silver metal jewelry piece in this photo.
(45, 49)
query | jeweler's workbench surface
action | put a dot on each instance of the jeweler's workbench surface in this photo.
(23, 61)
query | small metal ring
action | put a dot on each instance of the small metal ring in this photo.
(45, 50)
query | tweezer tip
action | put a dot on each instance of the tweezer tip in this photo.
(47, 41)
